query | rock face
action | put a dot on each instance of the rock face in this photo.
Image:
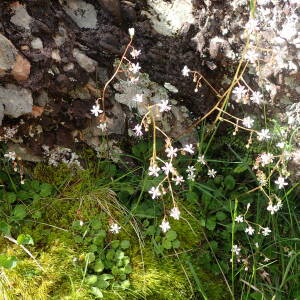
(59, 54)
(15, 101)
(11, 62)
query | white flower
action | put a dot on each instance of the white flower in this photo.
(248, 122)
(96, 110)
(191, 176)
(252, 25)
(256, 97)
(272, 208)
(239, 219)
(155, 192)
(134, 68)
(135, 53)
(178, 180)
(240, 92)
(114, 228)
(10, 155)
(211, 173)
(153, 171)
(134, 79)
(264, 134)
(175, 213)
(138, 98)
(165, 226)
(164, 106)
(171, 152)
(102, 126)
(266, 158)
(249, 230)
(138, 130)
(280, 182)
(168, 167)
(190, 169)
(189, 148)
(280, 145)
(236, 249)
(252, 56)
(185, 71)
(201, 159)
(266, 231)
(131, 32)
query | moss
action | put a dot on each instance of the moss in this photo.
(59, 281)
(169, 277)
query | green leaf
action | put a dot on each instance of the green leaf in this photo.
(23, 195)
(167, 244)
(99, 266)
(110, 254)
(115, 270)
(119, 254)
(176, 244)
(115, 244)
(150, 230)
(171, 235)
(240, 168)
(125, 244)
(19, 212)
(8, 262)
(106, 277)
(91, 279)
(192, 197)
(4, 228)
(25, 239)
(125, 284)
(211, 223)
(96, 224)
(10, 197)
(128, 269)
(102, 284)
(229, 182)
(35, 185)
(46, 189)
(90, 257)
(96, 292)
(221, 216)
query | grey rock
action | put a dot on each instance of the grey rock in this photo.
(61, 36)
(8, 54)
(81, 12)
(43, 98)
(37, 43)
(68, 67)
(21, 17)
(16, 100)
(84, 61)
(11, 62)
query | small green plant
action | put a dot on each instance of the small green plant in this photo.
(106, 264)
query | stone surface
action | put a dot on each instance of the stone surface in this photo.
(11, 61)
(16, 100)
(81, 12)
(8, 54)
(21, 17)
(21, 70)
(169, 18)
(84, 61)
(37, 43)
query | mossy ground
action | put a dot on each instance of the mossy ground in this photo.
(165, 277)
